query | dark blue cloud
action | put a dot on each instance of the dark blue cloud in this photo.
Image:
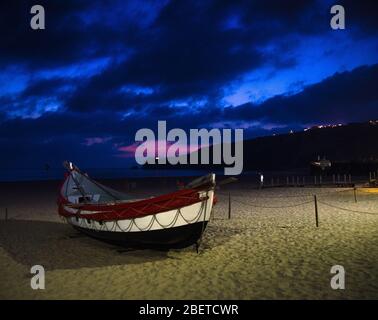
(344, 97)
(101, 70)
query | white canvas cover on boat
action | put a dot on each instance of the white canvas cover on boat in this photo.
(79, 188)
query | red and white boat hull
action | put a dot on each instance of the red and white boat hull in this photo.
(173, 220)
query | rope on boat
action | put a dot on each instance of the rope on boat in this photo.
(196, 218)
(166, 207)
(115, 224)
(149, 226)
(170, 224)
(176, 201)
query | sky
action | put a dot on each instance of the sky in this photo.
(101, 70)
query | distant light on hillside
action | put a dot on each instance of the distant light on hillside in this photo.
(322, 126)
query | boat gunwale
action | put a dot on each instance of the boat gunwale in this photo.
(135, 208)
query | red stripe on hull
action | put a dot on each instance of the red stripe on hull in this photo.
(137, 209)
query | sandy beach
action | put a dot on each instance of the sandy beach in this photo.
(269, 249)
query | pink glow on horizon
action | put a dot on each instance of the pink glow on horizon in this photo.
(129, 151)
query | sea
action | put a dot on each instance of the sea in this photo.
(33, 174)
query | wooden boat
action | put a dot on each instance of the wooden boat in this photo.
(173, 220)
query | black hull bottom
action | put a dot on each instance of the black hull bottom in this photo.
(170, 238)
